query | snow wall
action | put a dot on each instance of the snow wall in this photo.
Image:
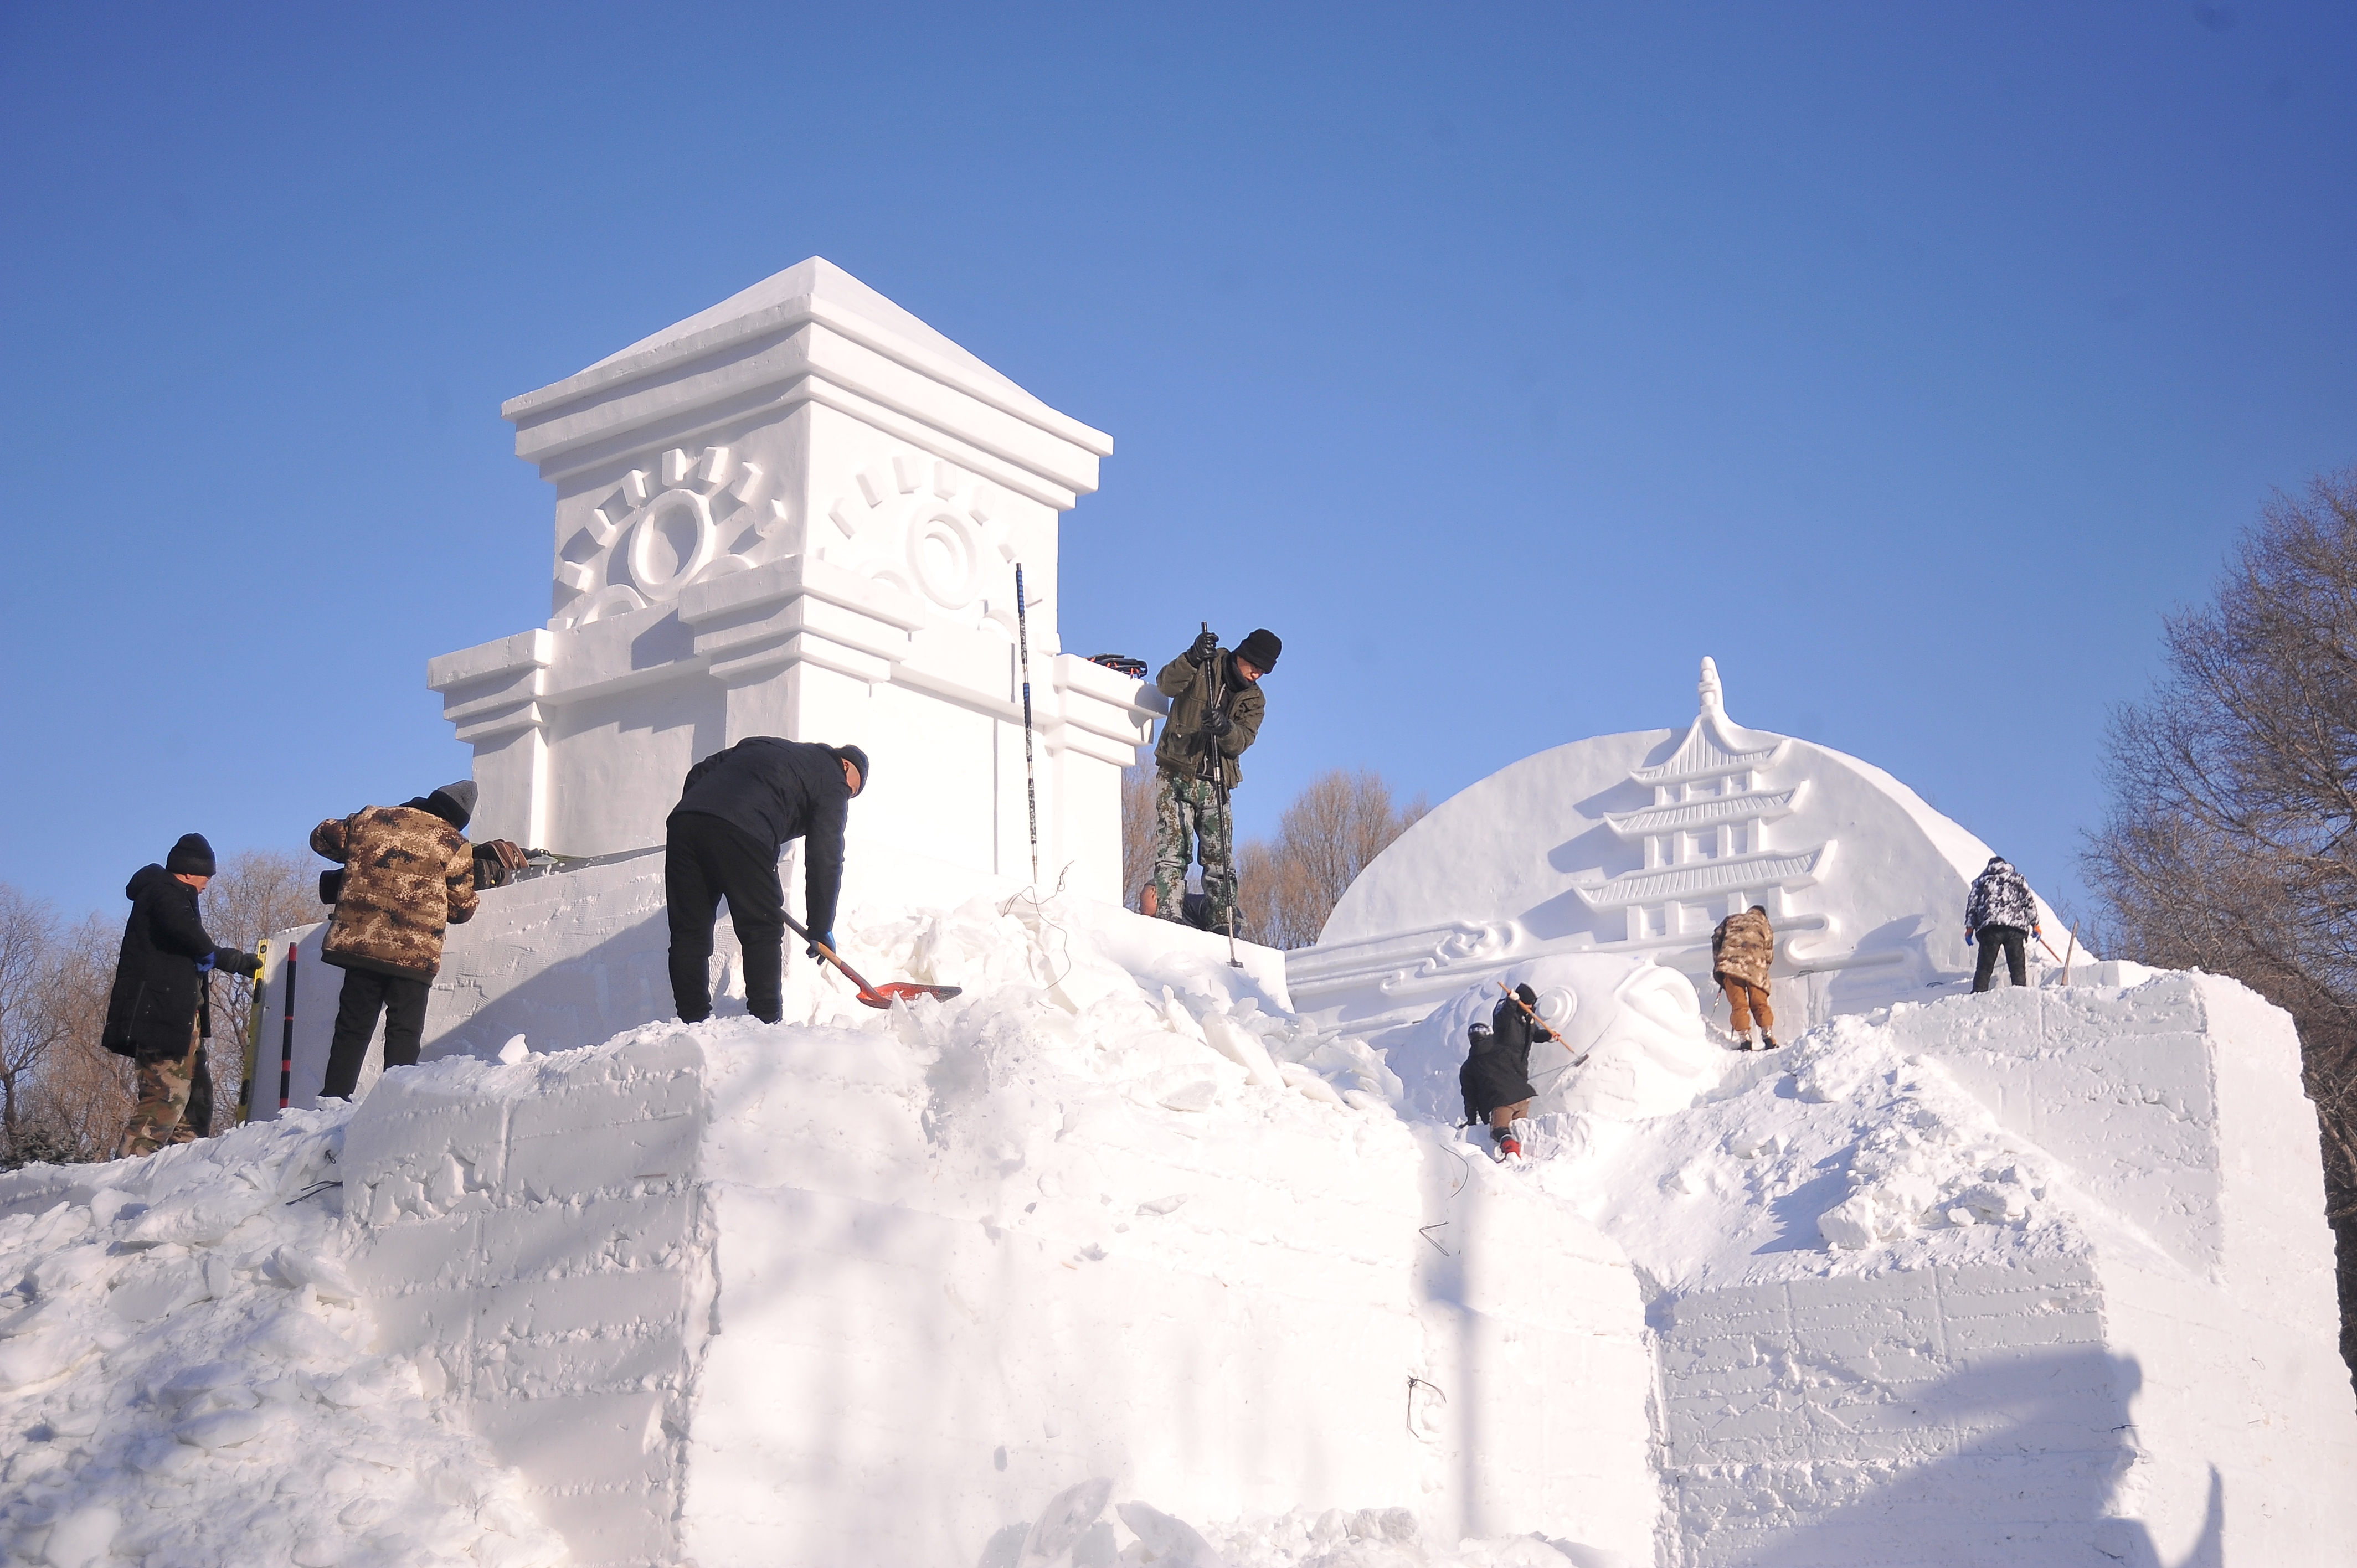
(866, 1288)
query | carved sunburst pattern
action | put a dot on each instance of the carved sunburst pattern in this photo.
(696, 515)
(932, 529)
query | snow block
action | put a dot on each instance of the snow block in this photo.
(2138, 1362)
(751, 1293)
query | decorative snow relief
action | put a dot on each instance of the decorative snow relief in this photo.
(1706, 834)
(698, 515)
(928, 527)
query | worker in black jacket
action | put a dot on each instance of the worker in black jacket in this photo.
(1496, 1076)
(160, 1013)
(737, 811)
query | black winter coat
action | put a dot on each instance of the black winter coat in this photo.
(158, 990)
(775, 790)
(1498, 1072)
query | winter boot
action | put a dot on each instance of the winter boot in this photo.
(1769, 1041)
(1751, 1039)
(1509, 1146)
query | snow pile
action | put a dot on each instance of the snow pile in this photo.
(1634, 1028)
(184, 1376)
(1844, 1141)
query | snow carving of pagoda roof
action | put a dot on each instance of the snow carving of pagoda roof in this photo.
(1698, 880)
(1760, 807)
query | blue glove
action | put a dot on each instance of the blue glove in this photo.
(817, 938)
(205, 964)
(1969, 938)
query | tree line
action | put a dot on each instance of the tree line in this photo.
(64, 1097)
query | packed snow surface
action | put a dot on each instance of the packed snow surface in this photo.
(1114, 1236)
(186, 1379)
(201, 1368)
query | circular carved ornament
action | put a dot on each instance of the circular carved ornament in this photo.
(672, 539)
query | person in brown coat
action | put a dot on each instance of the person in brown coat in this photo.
(408, 874)
(1742, 949)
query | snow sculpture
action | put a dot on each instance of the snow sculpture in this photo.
(1636, 846)
(799, 513)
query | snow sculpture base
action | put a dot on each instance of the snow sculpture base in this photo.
(767, 1294)
(2077, 1303)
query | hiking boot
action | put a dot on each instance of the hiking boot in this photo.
(1769, 1042)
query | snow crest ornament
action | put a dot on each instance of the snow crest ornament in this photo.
(695, 516)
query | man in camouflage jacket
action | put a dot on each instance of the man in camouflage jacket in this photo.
(1216, 707)
(2000, 915)
(1742, 949)
(408, 874)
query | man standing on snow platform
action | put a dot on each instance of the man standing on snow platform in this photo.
(1216, 705)
(1496, 1076)
(1999, 913)
(736, 812)
(160, 1009)
(408, 876)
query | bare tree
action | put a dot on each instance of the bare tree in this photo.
(83, 1096)
(2231, 844)
(1287, 886)
(1136, 833)
(31, 1022)
(254, 892)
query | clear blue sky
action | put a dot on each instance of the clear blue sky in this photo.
(1912, 360)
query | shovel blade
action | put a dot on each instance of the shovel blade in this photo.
(906, 991)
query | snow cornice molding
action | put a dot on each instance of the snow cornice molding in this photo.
(778, 321)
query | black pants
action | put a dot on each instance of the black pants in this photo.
(366, 994)
(704, 860)
(1991, 938)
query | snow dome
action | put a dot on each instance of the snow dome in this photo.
(1635, 846)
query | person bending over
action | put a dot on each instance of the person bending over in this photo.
(1742, 949)
(1496, 1076)
(737, 811)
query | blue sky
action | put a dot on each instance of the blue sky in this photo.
(1910, 360)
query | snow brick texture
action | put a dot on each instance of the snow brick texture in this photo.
(876, 1287)
(185, 1377)
(2033, 1277)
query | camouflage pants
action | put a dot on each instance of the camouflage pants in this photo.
(176, 1095)
(1191, 821)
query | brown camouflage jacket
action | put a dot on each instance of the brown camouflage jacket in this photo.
(1743, 947)
(407, 874)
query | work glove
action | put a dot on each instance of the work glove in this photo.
(1217, 723)
(817, 938)
(245, 964)
(1205, 648)
(1969, 938)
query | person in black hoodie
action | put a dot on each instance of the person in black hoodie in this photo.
(159, 1012)
(737, 809)
(1496, 1076)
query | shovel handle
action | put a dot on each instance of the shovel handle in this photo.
(828, 953)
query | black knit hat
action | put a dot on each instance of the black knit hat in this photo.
(1530, 998)
(454, 803)
(857, 757)
(1260, 649)
(192, 856)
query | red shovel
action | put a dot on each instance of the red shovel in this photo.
(874, 995)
